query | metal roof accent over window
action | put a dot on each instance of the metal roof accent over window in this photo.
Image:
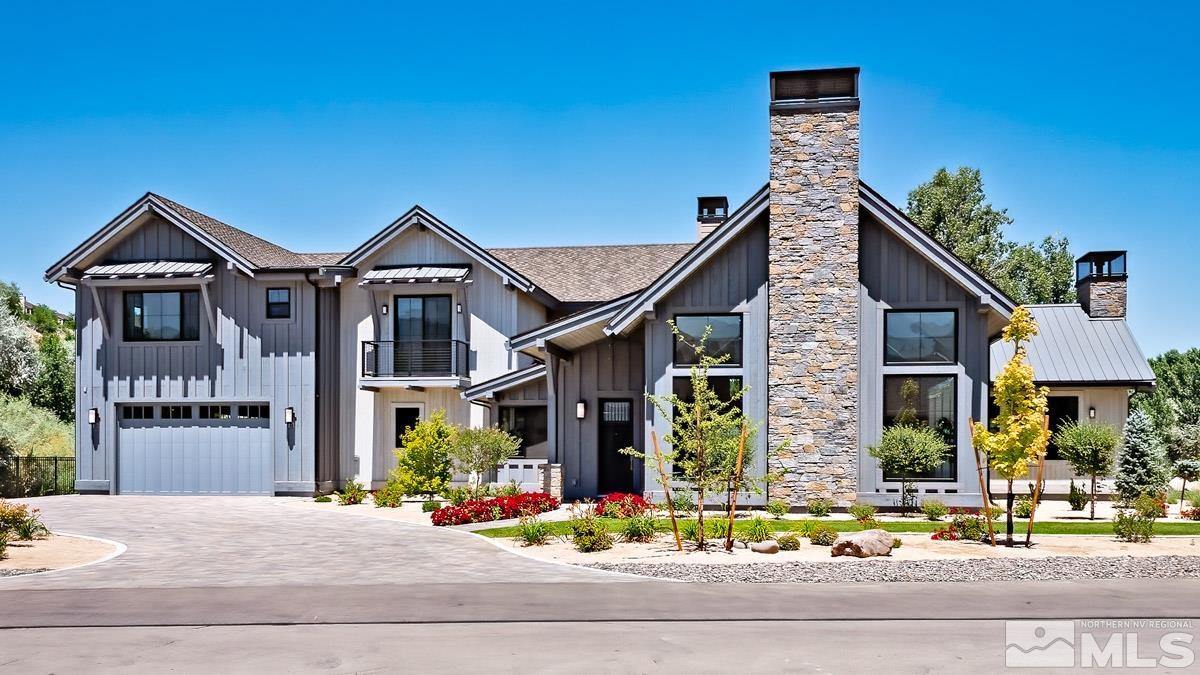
(412, 274)
(160, 269)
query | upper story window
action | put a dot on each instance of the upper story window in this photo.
(920, 337)
(725, 339)
(162, 316)
(279, 303)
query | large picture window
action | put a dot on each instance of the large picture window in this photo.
(724, 340)
(920, 337)
(925, 399)
(726, 388)
(527, 423)
(162, 316)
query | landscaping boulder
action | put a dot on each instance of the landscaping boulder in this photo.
(768, 546)
(863, 544)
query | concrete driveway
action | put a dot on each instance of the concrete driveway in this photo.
(189, 542)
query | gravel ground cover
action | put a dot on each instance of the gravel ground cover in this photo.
(13, 573)
(880, 570)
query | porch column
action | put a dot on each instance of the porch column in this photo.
(553, 453)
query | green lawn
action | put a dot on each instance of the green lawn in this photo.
(913, 526)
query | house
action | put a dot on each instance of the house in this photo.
(213, 361)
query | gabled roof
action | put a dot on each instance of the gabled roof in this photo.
(419, 217)
(571, 331)
(593, 273)
(1072, 348)
(506, 381)
(260, 252)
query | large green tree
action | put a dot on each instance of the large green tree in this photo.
(54, 386)
(1174, 405)
(954, 209)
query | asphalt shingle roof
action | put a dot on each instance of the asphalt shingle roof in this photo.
(258, 251)
(1072, 347)
(592, 273)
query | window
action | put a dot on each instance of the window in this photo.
(137, 412)
(162, 316)
(177, 412)
(253, 412)
(724, 340)
(1062, 410)
(925, 399)
(920, 337)
(527, 423)
(215, 412)
(406, 418)
(726, 388)
(279, 303)
(422, 317)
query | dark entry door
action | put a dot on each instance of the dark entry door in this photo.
(406, 418)
(616, 432)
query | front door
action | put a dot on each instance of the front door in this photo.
(406, 418)
(616, 432)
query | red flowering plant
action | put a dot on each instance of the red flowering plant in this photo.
(622, 505)
(947, 533)
(498, 508)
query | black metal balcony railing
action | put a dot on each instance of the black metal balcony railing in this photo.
(415, 358)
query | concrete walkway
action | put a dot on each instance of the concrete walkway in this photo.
(265, 541)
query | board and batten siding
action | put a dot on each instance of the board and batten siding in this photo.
(895, 276)
(734, 281)
(250, 359)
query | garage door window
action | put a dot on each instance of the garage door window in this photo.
(162, 316)
(137, 412)
(215, 412)
(254, 412)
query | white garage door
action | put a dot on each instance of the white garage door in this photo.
(194, 449)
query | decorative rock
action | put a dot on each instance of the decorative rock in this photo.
(768, 546)
(740, 544)
(863, 544)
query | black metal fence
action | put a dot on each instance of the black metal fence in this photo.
(37, 476)
(415, 358)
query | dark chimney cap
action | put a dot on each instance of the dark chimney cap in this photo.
(1101, 265)
(823, 89)
(712, 209)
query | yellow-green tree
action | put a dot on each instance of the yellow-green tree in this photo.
(1020, 435)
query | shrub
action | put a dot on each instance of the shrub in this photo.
(497, 508)
(777, 508)
(353, 493)
(908, 450)
(1077, 497)
(430, 505)
(789, 542)
(322, 499)
(29, 431)
(510, 489)
(588, 532)
(820, 506)
(31, 528)
(934, 509)
(456, 495)
(1023, 507)
(1150, 506)
(423, 458)
(754, 530)
(638, 528)
(970, 526)
(868, 524)
(822, 535)
(622, 505)
(1129, 525)
(713, 529)
(684, 501)
(3, 544)
(391, 495)
(12, 514)
(948, 533)
(534, 531)
(896, 542)
(861, 512)
(1190, 514)
(54, 386)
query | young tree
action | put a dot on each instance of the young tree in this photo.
(908, 450)
(1021, 433)
(1142, 467)
(423, 458)
(54, 386)
(1090, 450)
(1189, 471)
(478, 451)
(18, 356)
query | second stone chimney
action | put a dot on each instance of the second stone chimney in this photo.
(813, 284)
(1102, 284)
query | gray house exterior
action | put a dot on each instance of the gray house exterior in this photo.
(214, 362)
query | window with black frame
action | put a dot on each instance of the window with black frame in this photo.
(920, 336)
(526, 422)
(727, 388)
(279, 303)
(725, 339)
(925, 399)
(162, 316)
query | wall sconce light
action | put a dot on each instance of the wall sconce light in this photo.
(93, 415)
(1092, 412)
(383, 309)
(458, 307)
(289, 415)
(581, 410)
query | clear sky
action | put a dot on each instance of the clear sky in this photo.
(572, 123)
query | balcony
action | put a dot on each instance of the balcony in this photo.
(419, 359)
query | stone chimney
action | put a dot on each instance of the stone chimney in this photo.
(812, 357)
(710, 213)
(1102, 284)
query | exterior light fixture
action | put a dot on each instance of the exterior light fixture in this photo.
(383, 309)
(289, 415)
(458, 307)
(93, 415)
(581, 410)
(1092, 412)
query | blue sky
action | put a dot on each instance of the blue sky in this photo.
(555, 124)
